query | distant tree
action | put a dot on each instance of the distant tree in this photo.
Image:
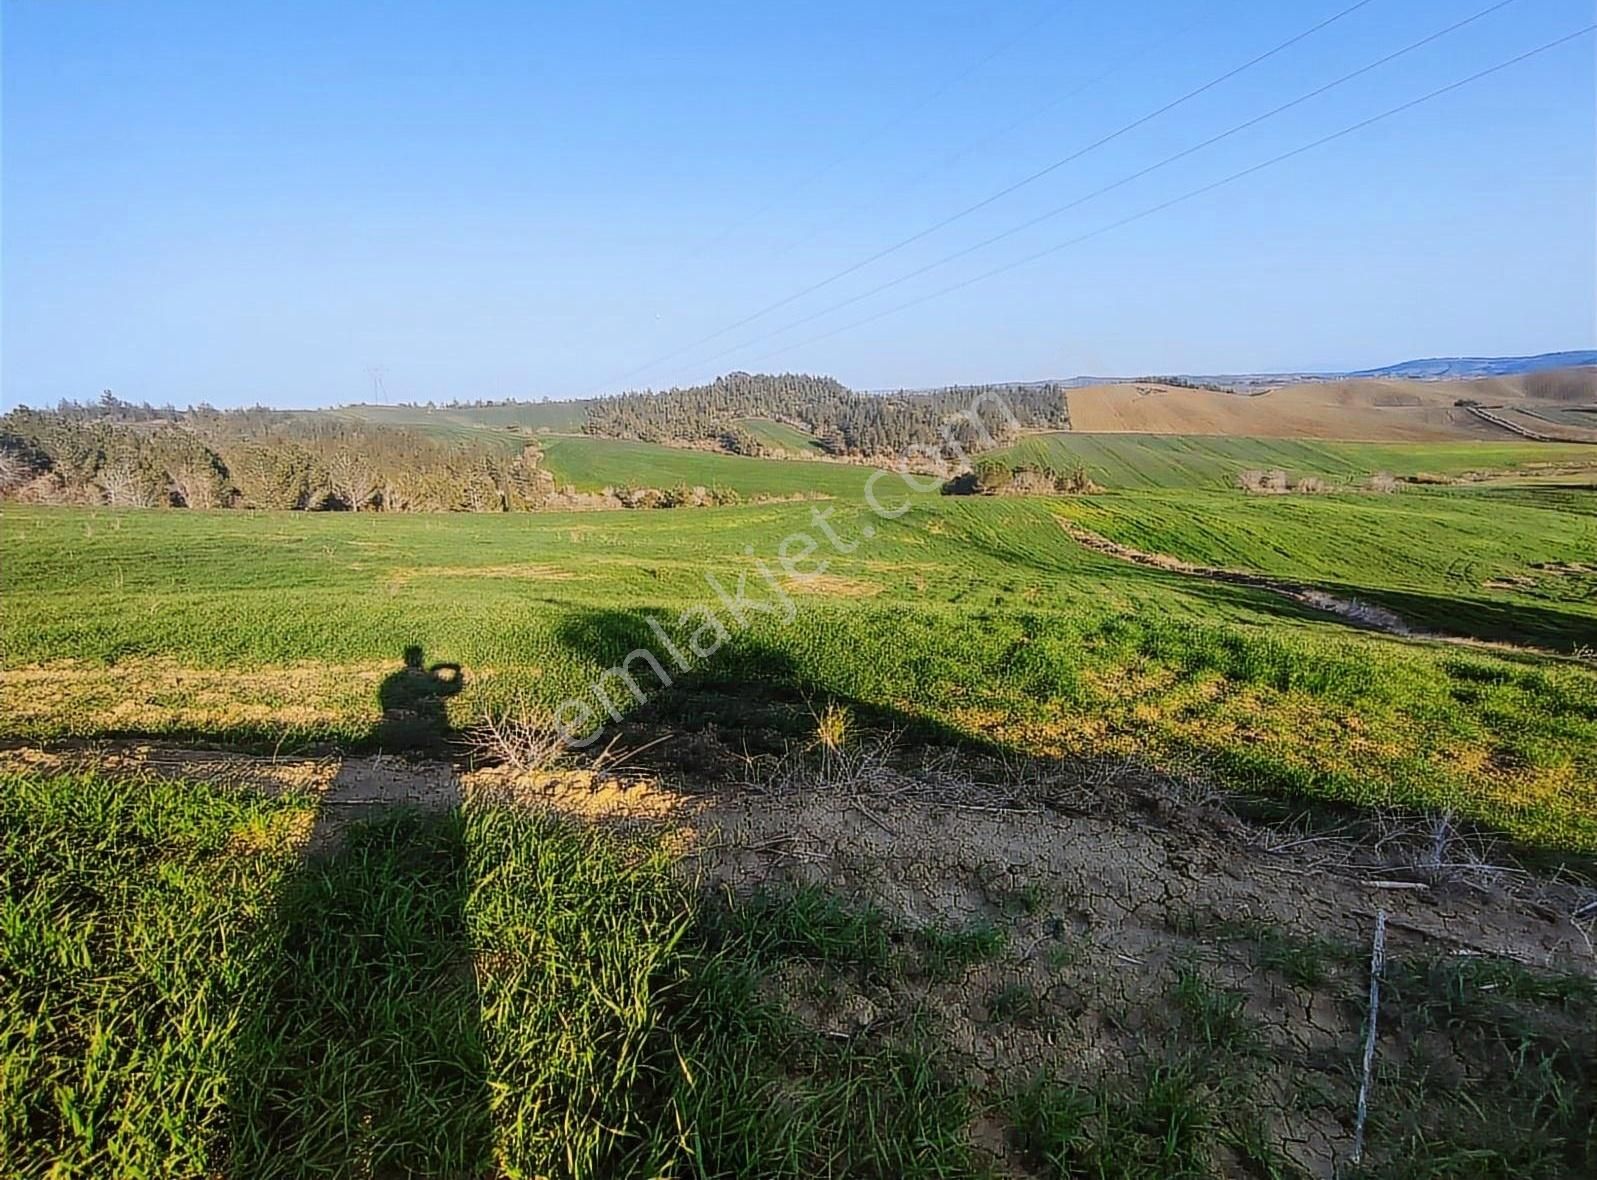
(351, 476)
(271, 476)
(847, 422)
(127, 475)
(194, 473)
(19, 462)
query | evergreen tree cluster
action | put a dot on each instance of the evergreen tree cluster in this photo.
(844, 422)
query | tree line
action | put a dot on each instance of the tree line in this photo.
(128, 454)
(843, 421)
(131, 455)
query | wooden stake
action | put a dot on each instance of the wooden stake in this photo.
(1377, 965)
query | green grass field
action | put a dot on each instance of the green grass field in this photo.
(1385, 549)
(198, 979)
(780, 435)
(970, 620)
(495, 991)
(1163, 461)
(471, 421)
(590, 464)
(462, 994)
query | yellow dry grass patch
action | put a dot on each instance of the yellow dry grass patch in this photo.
(145, 694)
(271, 833)
(531, 573)
(1122, 682)
(835, 585)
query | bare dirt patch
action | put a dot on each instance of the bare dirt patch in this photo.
(1047, 914)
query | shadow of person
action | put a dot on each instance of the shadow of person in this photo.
(413, 702)
(364, 1052)
(752, 697)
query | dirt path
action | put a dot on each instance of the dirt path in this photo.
(1122, 846)
(1360, 614)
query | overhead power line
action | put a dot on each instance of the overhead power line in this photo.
(1190, 195)
(1124, 180)
(1143, 48)
(1009, 189)
(915, 108)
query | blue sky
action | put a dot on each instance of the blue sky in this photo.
(251, 202)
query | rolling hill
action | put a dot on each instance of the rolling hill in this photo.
(1366, 408)
(591, 464)
(1433, 368)
(1131, 460)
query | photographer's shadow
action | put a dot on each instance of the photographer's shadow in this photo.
(415, 716)
(364, 1052)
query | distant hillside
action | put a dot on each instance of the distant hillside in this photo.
(1172, 460)
(736, 413)
(1430, 369)
(802, 416)
(1435, 368)
(1549, 404)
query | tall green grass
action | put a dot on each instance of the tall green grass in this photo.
(185, 991)
(487, 992)
(129, 949)
(977, 621)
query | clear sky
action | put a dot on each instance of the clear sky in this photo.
(242, 201)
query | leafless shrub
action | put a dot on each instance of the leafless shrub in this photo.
(521, 737)
(50, 488)
(198, 487)
(1076, 482)
(863, 766)
(352, 477)
(1434, 850)
(1264, 482)
(1401, 850)
(127, 487)
(1029, 481)
(1311, 485)
(15, 468)
(874, 770)
(1382, 481)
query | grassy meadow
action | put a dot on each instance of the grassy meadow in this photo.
(590, 464)
(781, 436)
(1487, 579)
(490, 990)
(184, 996)
(477, 420)
(1145, 461)
(963, 620)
